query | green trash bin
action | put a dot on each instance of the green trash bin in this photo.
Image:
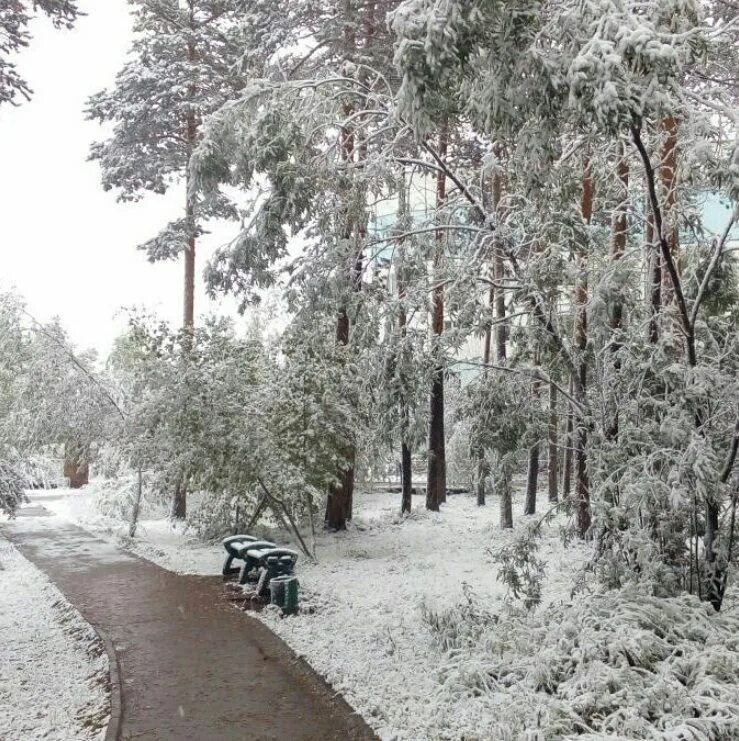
(283, 592)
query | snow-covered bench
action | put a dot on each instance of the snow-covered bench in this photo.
(259, 556)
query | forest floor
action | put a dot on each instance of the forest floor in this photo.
(53, 667)
(363, 602)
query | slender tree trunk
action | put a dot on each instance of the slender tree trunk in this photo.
(506, 504)
(501, 330)
(532, 480)
(76, 467)
(136, 503)
(620, 232)
(532, 470)
(569, 450)
(496, 303)
(406, 477)
(655, 280)
(668, 176)
(582, 485)
(339, 503)
(406, 468)
(436, 479)
(179, 501)
(553, 454)
(340, 493)
(482, 466)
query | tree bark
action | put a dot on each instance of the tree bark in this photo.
(553, 454)
(340, 501)
(76, 467)
(501, 330)
(532, 469)
(179, 503)
(532, 480)
(568, 451)
(340, 495)
(406, 468)
(406, 477)
(668, 176)
(655, 281)
(436, 478)
(506, 505)
(582, 485)
(620, 232)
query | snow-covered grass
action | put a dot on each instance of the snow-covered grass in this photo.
(405, 616)
(53, 667)
(362, 623)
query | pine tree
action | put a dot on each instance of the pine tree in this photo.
(183, 68)
(15, 17)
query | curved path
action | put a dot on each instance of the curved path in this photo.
(190, 667)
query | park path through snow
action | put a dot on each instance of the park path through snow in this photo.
(53, 667)
(361, 623)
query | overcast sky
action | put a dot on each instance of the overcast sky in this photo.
(66, 246)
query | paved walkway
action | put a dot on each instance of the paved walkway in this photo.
(192, 667)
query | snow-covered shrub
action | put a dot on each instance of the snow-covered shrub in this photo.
(114, 498)
(520, 568)
(12, 488)
(623, 664)
(221, 513)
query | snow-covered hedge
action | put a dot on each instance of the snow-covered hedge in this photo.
(623, 664)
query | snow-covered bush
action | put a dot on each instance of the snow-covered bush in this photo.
(521, 570)
(12, 488)
(623, 664)
(115, 498)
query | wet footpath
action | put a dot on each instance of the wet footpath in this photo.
(185, 663)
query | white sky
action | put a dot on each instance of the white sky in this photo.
(65, 245)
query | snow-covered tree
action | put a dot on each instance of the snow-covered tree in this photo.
(15, 17)
(184, 65)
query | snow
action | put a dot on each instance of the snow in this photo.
(361, 624)
(53, 667)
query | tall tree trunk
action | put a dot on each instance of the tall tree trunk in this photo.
(339, 498)
(501, 331)
(668, 176)
(179, 503)
(76, 467)
(620, 232)
(532, 479)
(482, 467)
(436, 478)
(654, 280)
(532, 469)
(496, 304)
(179, 500)
(582, 485)
(406, 467)
(406, 477)
(569, 449)
(506, 504)
(553, 451)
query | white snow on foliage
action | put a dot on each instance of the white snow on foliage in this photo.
(53, 668)
(407, 619)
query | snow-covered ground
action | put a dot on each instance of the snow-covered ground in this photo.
(53, 667)
(361, 624)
